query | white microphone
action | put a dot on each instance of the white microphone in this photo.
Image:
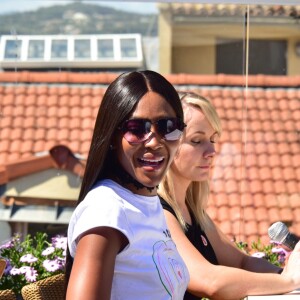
(279, 233)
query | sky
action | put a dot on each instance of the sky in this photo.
(142, 6)
(8, 6)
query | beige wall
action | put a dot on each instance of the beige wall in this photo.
(50, 184)
(194, 60)
(165, 43)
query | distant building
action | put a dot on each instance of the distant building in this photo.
(212, 39)
(106, 52)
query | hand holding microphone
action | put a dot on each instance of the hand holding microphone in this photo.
(279, 233)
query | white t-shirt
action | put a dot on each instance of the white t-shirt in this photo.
(150, 267)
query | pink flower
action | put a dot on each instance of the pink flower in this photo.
(24, 269)
(59, 242)
(48, 251)
(279, 250)
(15, 271)
(31, 275)
(7, 245)
(259, 254)
(29, 258)
(51, 265)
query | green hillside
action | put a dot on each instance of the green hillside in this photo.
(78, 18)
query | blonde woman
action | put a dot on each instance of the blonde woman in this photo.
(218, 269)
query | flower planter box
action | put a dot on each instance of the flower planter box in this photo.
(51, 288)
(7, 295)
(33, 269)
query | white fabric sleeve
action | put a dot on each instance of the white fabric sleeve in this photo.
(94, 212)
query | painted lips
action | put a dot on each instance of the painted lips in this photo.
(151, 162)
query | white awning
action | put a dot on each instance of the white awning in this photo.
(36, 213)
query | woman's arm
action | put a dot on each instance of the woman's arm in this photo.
(221, 282)
(228, 253)
(93, 267)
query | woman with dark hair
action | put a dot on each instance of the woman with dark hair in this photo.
(119, 246)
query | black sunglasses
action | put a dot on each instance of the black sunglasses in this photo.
(139, 130)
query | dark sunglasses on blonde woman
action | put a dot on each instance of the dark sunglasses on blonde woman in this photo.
(137, 131)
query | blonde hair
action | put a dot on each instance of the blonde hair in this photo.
(197, 193)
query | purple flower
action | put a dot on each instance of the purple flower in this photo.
(60, 242)
(279, 251)
(275, 243)
(29, 258)
(7, 245)
(8, 267)
(281, 258)
(51, 265)
(259, 254)
(48, 251)
(31, 275)
(61, 261)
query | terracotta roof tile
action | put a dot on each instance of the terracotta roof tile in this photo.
(51, 122)
(286, 160)
(77, 123)
(256, 186)
(251, 228)
(75, 100)
(286, 214)
(234, 198)
(259, 200)
(226, 227)
(27, 148)
(265, 173)
(268, 186)
(39, 146)
(235, 213)
(223, 213)
(221, 10)
(275, 160)
(86, 134)
(53, 143)
(253, 185)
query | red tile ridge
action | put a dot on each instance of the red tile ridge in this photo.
(57, 77)
(180, 79)
(58, 157)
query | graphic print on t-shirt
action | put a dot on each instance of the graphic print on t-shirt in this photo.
(171, 270)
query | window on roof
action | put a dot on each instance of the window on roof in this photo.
(36, 49)
(128, 48)
(105, 48)
(59, 49)
(82, 48)
(13, 49)
(265, 57)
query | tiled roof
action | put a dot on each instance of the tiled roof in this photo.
(58, 157)
(229, 10)
(256, 179)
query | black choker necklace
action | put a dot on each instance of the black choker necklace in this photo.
(126, 178)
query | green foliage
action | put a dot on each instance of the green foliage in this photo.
(30, 260)
(272, 252)
(61, 19)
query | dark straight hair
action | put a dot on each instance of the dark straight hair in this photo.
(119, 101)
